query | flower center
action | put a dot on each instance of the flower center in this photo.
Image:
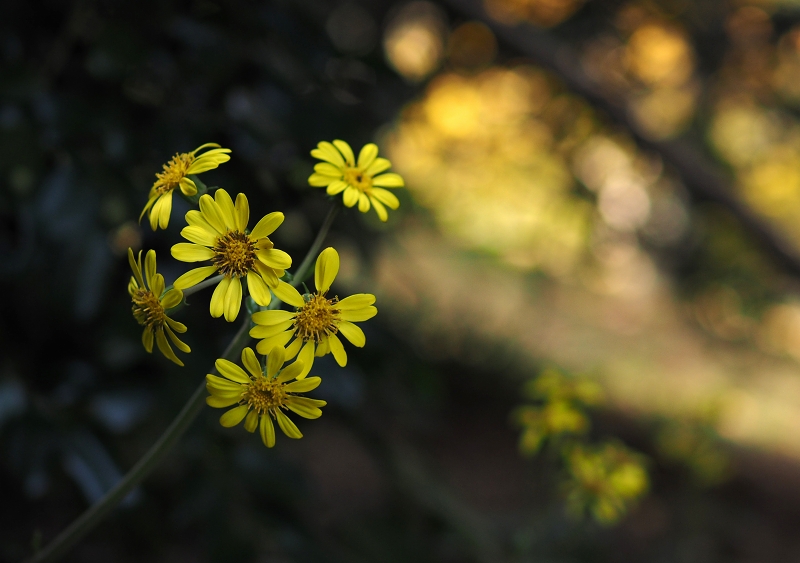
(318, 317)
(174, 170)
(264, 394)
(358, 179)
(234, 254)
(147, 309)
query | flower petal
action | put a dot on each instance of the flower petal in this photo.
(193, 277)
(289, 428)
(217, 306)
(242, 209)
(303, 385)
(147, 340)
(179, 344)
(269, 275)
(260, 331)
(379, 165)
(233, 300)
(251, 421)
(221, 402)
(258, 289)
(269, 318)
(356, 301)
(386, 197)
(221, 384)
(327, 152)
(288, 294)
(267, 225)
(196, 219)
(293, 348)
(291, 371)
(175, 325)
(187, 187)
(212, 213)
(353, 333)
(336, 187)
(264, 346)
(267, 430)
(135, 267)
(321, 180)
(306, 411)
(225, 203)
(166, 349)
(275, 360)
(389, 180)
(367, 155)
(274, 258)
(346, 151)
(306, 356)
(191, 252)
(363, 202)
(250, 361)
(337, 350)
(326, 169)
(199, 235)
(150, 267)
(380, 210)
(350, 196)
(231, 371)
(326, 269)
(358, 315)
(165, 210)
(234, 416)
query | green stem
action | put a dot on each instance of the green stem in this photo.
(95, 514)
(306, 264)
(202, 285)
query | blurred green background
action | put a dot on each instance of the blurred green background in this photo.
(607, 188)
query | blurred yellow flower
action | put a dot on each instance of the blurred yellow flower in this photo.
(361, 180)
(262, 397)
(176, 175)
(218, 232)
(150, 306)
(317, 320)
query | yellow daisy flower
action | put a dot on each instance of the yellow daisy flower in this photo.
(262, 397)
(218, 232)
(175, 175)
(150, 306)
(361, 180)
(317, 320)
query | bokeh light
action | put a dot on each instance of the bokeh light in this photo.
(414, 41)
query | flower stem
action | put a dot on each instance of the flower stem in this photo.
(97, 512)
(305, 265)
(202, 285)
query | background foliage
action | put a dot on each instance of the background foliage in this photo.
(608, 187)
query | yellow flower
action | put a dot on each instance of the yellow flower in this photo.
(218, 232)
(262, 397)
(150, 306)
(359, 180)
(175, 175)
(317, 320)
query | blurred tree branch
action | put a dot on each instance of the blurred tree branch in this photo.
(705, 180)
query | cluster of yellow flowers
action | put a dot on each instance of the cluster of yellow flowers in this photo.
(246, 262)
(604, 480)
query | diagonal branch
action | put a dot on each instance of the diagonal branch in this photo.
(705, 180)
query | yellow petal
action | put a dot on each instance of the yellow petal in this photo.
(390, 180)
(179, 344)
(135, 267)
(233, 416)
(150, 267)
(267, 430)
(205, 164)
(269, 318)
(303, 386)
(337, 350)
(264, 346)
(274, 258)
(288, 426)
(165, 210)
(275, 360)
(336, 187)
(326, 269)
(288, 294)
(367, 155)
(380, 210)
(321, 180)
(250, 361)
(291, 371)
(251, 422)
(356, 301)
(199, 235)
(353, 333)
(155, 212)
(216, 383)
(346, 151)
(378, 166)
(190, 252)
(221, 402)
(258, 289)
(386, 197)
(293, 348)
(358, 315)
(196, 219)
(166, 349)
(217, 306)
(176, 326)
(233, 300)
(363, 202)
(231, 371)
(260, 331)
(242, 209)
(193, 277)
(267, 225)
(326, 169)
(303, 410)
(147, 340)
(206, 145)
(157, 287)
(327, 152)
(306, 356)
(188, 187)
(212, 213)
(350, 196)
(225, 204)
(269, 275)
